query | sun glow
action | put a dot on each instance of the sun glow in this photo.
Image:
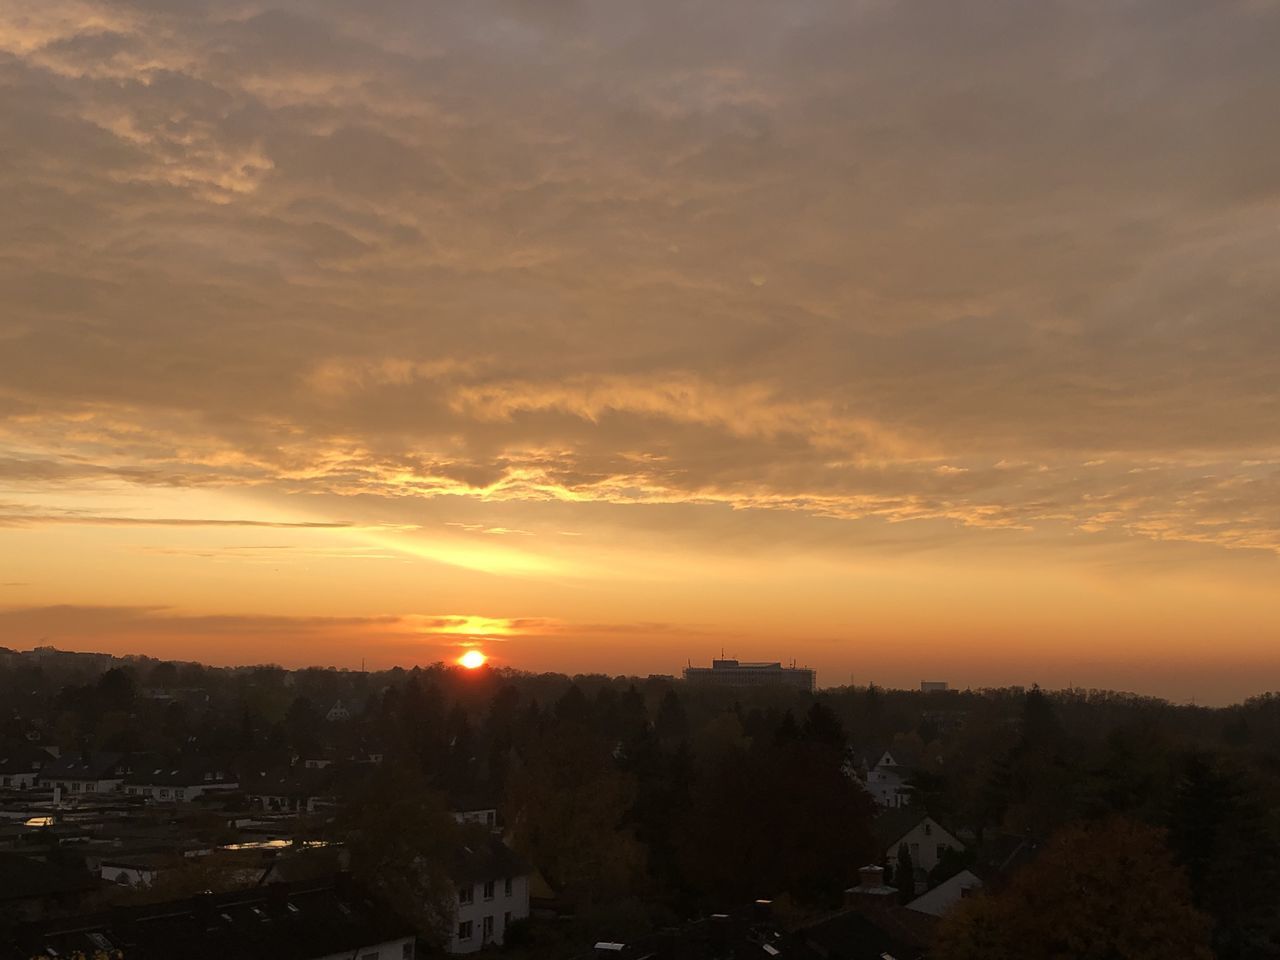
(472, 659)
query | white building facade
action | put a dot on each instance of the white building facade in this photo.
(485, 909)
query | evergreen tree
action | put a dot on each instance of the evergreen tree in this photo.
(904, 877)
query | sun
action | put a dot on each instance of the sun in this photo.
(472, 659)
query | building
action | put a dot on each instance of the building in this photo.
(289, 789)
(887, 781)
(338, 713)
(737, 674)
(934, 686)
(316, 920)
(944, 896)
(20, 765)
(79, 774)
(925, 839)
(493, 892)
(173, 783)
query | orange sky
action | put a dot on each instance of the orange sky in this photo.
(910, 341)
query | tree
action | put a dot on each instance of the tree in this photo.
(904, 877)
(566, 807)
(1100, 891)
(402, 841)
(823, 728)
(672, 724)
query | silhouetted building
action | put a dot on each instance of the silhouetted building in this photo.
(307, 921)
(735, 673)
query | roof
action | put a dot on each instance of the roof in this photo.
(279, 922)
(895, 823)
(739, 935)
(289, 782)
(309, 864)
(75, 766)
(490, 859)
(182, 773)
(868, 928)
(22, 757)
(22, 878)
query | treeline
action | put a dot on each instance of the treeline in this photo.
(645, 800)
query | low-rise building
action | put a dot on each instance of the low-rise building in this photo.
(944, 896)
(177, 783)
(925, 839)
(78, 774)
(493, 893)
(20, 765)
(332, 919)
(887, 780)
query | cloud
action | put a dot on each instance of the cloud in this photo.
(832, 259)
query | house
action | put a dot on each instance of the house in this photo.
(473, 808)
(887, 780)
(177, 782)
(289, 790)
(925, 839)
(338, 712)
(315, 920)
(20, 765)
(493, 892)
(78, 773)
(944, 896)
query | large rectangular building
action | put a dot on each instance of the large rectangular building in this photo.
(735, 673)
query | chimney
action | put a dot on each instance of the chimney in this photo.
(871, 876)
(870, 884)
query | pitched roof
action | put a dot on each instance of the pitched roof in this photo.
(289, 781)
(895, 823)
(22, 878)
(490, 859)
(180, 773)
(278, 922)
(23, 757)
(75, 766)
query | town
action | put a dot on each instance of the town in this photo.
(160, 809)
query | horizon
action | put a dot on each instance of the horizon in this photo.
(495, 665)
(903, 340)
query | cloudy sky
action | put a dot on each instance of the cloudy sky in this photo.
(911, 340)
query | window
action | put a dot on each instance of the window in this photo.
(464, 930)
(179, 793)
(928, 829)
(942, 848)
(406, 951)
(506, 922)
(466, 894)
(506, 887)
(164, 794)
(486, 929)
(488, 889)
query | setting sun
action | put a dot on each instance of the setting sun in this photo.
(472, 659)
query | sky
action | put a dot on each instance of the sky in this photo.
(907, 340)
